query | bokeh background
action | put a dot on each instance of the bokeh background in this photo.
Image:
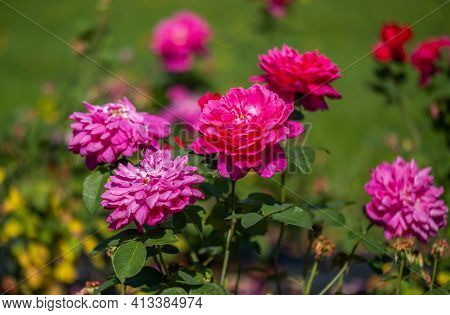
(43, 80)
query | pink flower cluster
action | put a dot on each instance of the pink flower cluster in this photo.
(426, 56)
(179, 38)
(245, 127)
(404, 201)
(393, 39)
(183, 105)
(150, 193)
(105, 133)
(307, 76)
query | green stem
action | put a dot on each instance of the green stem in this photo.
(163, 264)
(308, 252)
(414, 131)
(400, 275)
(345, 266)
(226, 258)
(311, 277)
(236, 288)
(435, 270)
(123, 289)
(280, 237)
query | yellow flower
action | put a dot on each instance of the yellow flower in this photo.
(76, 228)
(89, 244)
(14, 201)
(443, 278)
(68, 249)
(12, 229)
(65, 272)
(39, 254)
(34, 277)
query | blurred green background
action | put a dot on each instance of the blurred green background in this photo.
(40, 72)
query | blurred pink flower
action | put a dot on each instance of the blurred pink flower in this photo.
(277, 8)
(245, 128)
(426, 56)
(106, 132)
(291, 74)
(404, 201)
(183, 105)
(180, 37)
(393, 39)
(150, 193)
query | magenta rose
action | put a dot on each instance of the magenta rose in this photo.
(245, 128)
(306, 76)
(105, 133)
(151, 192)
(405, 201)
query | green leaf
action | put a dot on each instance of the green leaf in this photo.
(93, 187)
(160, 237)
(129, 259)
(268, 210)
(174, 291)
(302, 158)
(250, 219)
(189, 277)
(255, 201)
(147, 279)
(236, 216)
(193, 217)
(170, 249)
(106, 285)
(294, 216)
(208, 288)
(216, 217)
(331, 217)
(179, 221)
(115, 240)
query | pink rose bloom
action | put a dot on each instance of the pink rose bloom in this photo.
(152, 192)
(105, 133)
(183, 105)
(425, 57)
(179, 38)
(308, 75)
(245, 127)
(393, 39)
(277, 8)
(404, 201)
(205, 98)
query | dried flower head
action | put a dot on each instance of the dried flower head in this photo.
(403, 244)
(439, 248)
(323, 247)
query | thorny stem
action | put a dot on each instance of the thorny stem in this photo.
(226, 258)
(280, 237)
(311, 277)
(345, 266)
(400, 275)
